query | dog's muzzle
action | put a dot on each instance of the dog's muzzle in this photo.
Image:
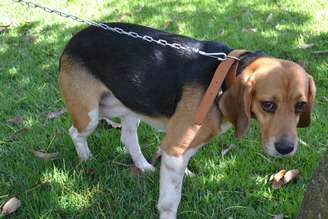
(284, 147)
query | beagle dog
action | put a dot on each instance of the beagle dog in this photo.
(104, 75)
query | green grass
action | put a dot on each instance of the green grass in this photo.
(234, 185)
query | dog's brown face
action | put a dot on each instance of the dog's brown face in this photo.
(279, 94)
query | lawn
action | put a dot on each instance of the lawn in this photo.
(235, 185)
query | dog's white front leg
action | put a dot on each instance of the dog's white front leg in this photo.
(171, 176)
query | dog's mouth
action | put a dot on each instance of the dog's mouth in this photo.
(280, 147)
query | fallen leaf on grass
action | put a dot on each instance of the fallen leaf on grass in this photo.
(306, 46)
(45, 156)
(16, 121)
(52, 115)
(11, 206)
(277, 179)
(282, 177)
(249, 30)
(290, 175)
(268, 20)
(225, 151)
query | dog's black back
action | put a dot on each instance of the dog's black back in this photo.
(146, 77)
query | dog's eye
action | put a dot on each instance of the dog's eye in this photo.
(299, 106)
(268, 106)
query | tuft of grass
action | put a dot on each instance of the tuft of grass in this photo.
(234, 185)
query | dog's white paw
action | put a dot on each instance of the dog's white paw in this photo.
(86, 155)
(145, 166)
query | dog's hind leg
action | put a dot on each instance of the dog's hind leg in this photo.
(129, 138)
(79, 135)
(82, 93)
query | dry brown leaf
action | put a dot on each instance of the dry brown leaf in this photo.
(277, 179)
(277, 184)
(306, 46)
(290, 175)
(278, 176)
(11, 206)
(282, 177)
(45, 156)
(16, 121)
(52, 115)
(268, 20)
(249, 30)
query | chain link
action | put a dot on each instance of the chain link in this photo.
(220, 56)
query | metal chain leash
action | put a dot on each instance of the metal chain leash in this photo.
(220, 56)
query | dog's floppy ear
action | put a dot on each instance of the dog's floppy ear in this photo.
(235, 105)
(305, 117)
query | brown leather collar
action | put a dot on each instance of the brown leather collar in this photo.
(226, 70)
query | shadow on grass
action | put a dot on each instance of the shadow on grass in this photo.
(29, 76)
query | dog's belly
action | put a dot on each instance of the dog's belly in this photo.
(111, 107)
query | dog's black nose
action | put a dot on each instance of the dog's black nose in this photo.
(284, 147)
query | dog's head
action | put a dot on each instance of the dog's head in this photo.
(279, 94)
